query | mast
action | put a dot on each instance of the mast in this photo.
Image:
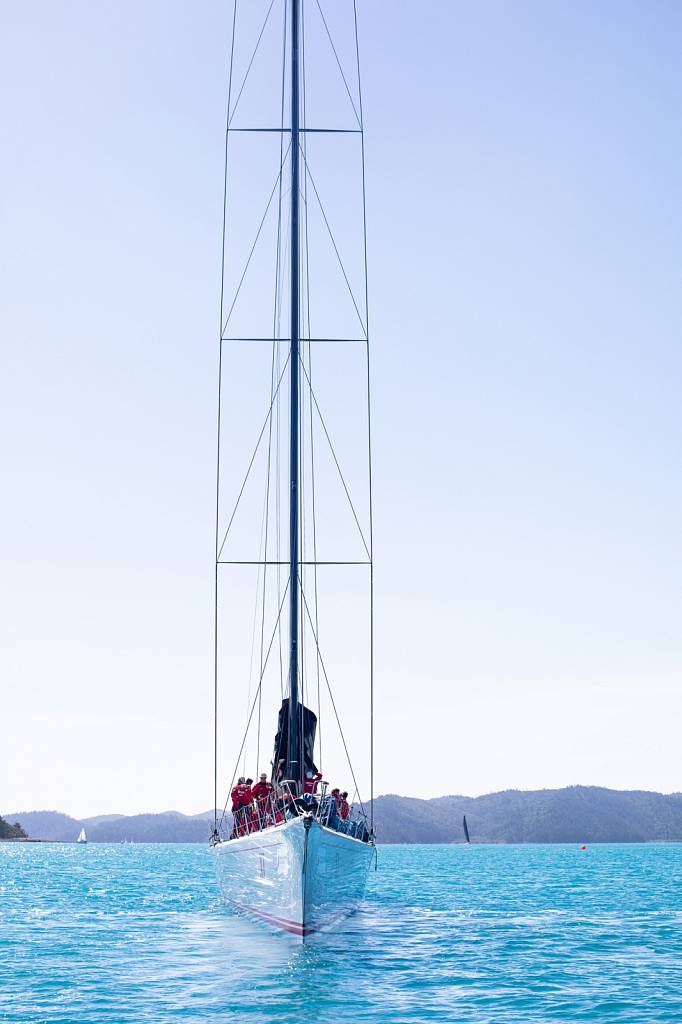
(294, 768)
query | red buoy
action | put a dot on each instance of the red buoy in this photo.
(583, 847)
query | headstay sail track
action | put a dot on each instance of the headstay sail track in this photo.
(293, 475)
(294, 763)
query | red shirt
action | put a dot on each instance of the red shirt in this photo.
(344, 810)
(310, 785)
(241, 796)
(261, 791)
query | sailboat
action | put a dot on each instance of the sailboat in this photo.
(293, 856)
(82, 838)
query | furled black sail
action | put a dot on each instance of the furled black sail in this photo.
(307, 726)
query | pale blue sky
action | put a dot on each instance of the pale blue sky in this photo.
(524, 169)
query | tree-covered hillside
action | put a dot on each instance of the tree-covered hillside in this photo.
(169, 827)
(8, 831)
(571, 815)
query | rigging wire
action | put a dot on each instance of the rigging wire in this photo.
(284, 272)
(333, 702)
(262, 548)
(369, 421)
(266, 512)
(276, 330)
(282, 264)
(324, 21)
(253, 57)
(310, 404)
(303, 664)
(255, 241)
(336, 250)
(273, 372)
(301, 421)
(217, 483)
(248, 471)
(253, 706)
(336, 461)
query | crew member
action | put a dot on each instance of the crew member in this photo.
(311, 781)
(236, 794)
(261, 794)
(250, 822)
(330, 810)
(241, 799)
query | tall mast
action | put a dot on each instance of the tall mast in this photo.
(294, 766)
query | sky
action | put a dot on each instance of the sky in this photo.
(524, 172)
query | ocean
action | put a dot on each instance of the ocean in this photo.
(484, 934)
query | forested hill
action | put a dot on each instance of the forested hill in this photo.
(168, 827)
(571, 815)
(8, 831)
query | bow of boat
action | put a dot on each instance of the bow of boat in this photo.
(298, 876)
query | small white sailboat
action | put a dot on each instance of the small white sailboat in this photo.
(82, 838)
(292, 857)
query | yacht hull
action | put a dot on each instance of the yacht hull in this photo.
(298, 877)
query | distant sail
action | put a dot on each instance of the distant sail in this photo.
(466, 830)
(82, 838)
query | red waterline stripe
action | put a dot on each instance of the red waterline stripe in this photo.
(281, 922)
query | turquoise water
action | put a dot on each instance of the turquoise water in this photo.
(449, 933)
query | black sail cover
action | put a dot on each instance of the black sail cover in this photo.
(307, 727)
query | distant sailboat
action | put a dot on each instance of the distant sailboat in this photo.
(82, 838)
(466, 828)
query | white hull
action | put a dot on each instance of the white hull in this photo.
(297, 876)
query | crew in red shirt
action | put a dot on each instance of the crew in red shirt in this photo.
(261, 794)
(242, 798)
(311, 781)
(236, 803)
(344, 809)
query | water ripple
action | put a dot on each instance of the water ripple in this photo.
(463, 935)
